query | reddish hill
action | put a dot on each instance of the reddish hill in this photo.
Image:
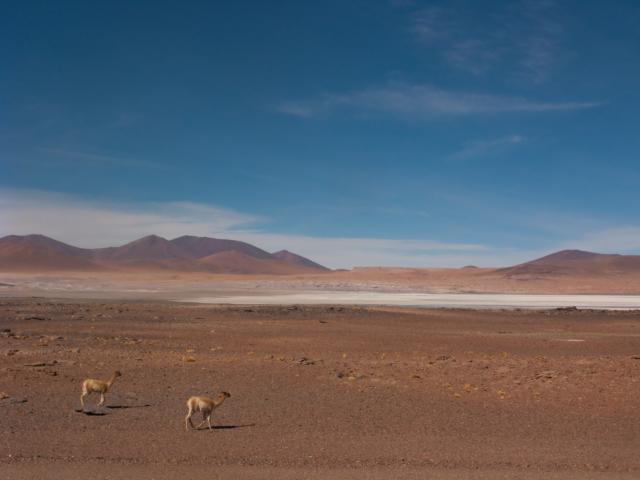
(241, 263)
(576, 262)
(151, 247)
(295, 259)
(37, 252)
(200, 247)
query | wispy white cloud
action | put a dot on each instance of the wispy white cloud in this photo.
(487, 147)
(91, 158)
(88, 223)
(429, 24)
(522, 39)
(420, 101)
(538, 36)
(624, 239)
(85, 223)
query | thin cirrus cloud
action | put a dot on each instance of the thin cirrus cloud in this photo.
(521, 39)
(487, 147)
(422, 101)
(84, 223)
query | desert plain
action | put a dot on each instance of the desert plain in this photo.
(318, 391)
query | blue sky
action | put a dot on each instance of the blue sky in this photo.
(358, 133)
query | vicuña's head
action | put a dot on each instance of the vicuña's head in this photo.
(117, 373)
(225, 394)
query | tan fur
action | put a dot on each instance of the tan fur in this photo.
(205, 405)
(99, 386)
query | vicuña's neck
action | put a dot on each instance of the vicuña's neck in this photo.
(112, 379)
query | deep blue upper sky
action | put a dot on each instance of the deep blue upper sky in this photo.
(498, 130)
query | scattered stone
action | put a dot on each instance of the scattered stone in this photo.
(4, 395)
(35, 317)
(188, 359)
(18, 400)
(12, 352)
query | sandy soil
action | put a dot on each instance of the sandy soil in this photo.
(319, 392)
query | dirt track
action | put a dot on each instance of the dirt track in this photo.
(319, 392)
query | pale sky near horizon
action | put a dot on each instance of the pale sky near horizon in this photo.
(397, 132)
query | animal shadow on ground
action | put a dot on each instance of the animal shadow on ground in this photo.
(86, 411)
(142, 405)
(104, 410)
(227, 427)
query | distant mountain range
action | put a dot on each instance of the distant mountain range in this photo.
(202, 254)
(187, 253)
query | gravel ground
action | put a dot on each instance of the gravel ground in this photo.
(319, 392)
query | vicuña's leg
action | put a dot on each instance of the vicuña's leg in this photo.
(204, 419)
(101, 399)
(209, 422)
(84, 394)
(187, 420)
